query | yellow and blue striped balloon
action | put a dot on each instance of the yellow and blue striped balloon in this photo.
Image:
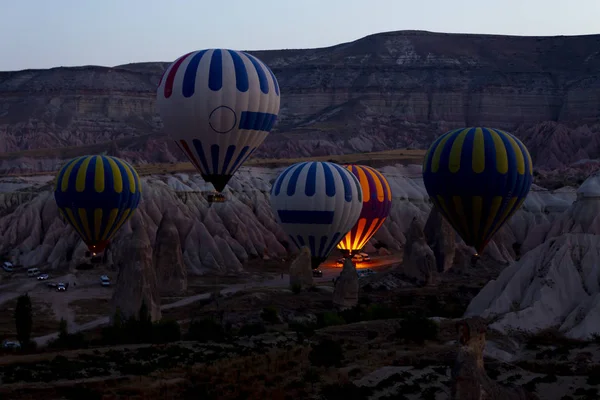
(97, 195)
(477, 178)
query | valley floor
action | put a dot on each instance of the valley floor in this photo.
(302, 349)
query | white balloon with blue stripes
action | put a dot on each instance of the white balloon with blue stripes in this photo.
(316, 203)
(218, 105)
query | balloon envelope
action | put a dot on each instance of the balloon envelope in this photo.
(477, 178)
(218, 105)
(377, 202)
(316, 203)
(97, 195)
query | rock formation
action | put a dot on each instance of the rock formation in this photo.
(381, 92)
(582, 215)
(441, 239)
(301, 270)
(345, 294)
(168, 258)
(136, 282)
(225, 236)
(554, 285)
(469, 378)
(419, 264)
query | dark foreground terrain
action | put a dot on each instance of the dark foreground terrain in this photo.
(284, 344)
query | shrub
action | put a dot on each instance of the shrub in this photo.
(140, 330)
(269, 314)
(23, 320)
(379, 311)
(417, 329)
(328, 318)
(166, 331)
(253, 329)
(326, 353)
(206, 330)
(296, 288)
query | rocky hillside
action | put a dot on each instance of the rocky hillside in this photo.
(32, 234)
(389, 90)
(547, 253)
(556, 285)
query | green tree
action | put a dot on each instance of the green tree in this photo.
(144, 324)
(23, 320)
(63, 333)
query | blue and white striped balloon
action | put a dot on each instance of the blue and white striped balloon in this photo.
(218, 105)
(316, 203)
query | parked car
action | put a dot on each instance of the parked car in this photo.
(369, 271)
(52, 284)
(10, 344)
(365, 257)
(365, 272)
(105, 280)
(317, 273)
(43, 277)
(33, 272)
(357, 258)
(8, 266)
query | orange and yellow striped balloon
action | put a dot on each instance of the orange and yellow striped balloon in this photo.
(377, 202)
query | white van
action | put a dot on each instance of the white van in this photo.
(33, 272)
(8, 266)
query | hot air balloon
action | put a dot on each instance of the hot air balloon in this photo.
(477, 178)
(218, 106)
(316, 203)
(97, 195)
(377, 202)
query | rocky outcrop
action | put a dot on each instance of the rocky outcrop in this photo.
(301, 270)
(469, 379)
(441, 239)
(136, 283)
(556, 282)
(582, 215)
(419, 264)
(345, 293)
(168, 258)
(385, 91)
(223, 237)
(556, 285)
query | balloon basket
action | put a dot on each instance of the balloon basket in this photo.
(216, 198)
(346, 253)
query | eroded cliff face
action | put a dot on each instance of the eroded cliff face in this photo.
(223, 237)
(391, 90)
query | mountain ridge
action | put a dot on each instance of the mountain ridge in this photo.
(384, 91)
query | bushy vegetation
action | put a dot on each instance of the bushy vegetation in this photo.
(24, 321)
(296, 288)
(140, 330)
(269, 314)
(68, 340)
(326, 353)
(417, 329)
(133, 330)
